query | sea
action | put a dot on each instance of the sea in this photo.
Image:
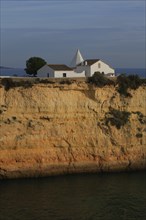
(141, 72)
(20, 72)
(104, 196)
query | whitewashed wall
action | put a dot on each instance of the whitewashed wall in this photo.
(90, 70)
(103, 68)
(85, 69)
(44, 71)
(69, 73)
(80, 71)
(79, 74)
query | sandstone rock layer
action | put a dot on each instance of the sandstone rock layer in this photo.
(51, 129)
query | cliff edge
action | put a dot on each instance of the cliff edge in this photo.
(59, 128)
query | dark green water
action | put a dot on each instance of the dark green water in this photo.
(79, 197)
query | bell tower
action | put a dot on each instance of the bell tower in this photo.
(77, 59)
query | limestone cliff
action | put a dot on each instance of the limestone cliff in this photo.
(48, 129)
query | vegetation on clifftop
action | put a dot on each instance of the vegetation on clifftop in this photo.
(100, 80)
(9, 83)
(122, 82)
(128, 82)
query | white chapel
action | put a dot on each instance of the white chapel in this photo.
(78, 68)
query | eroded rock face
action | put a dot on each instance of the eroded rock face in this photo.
(51, 129)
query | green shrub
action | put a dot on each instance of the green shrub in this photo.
(68, 82)
(143, 81)
(134, 81)
(117, 118)
(100, 80)
(44, 81)
(128, 82)
(9, 83)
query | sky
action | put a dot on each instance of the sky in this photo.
(113, 31)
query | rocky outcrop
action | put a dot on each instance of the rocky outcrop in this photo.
(48, 129)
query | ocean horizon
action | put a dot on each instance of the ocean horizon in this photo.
(129, 71)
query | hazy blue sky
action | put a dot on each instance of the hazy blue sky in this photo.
(113, 31)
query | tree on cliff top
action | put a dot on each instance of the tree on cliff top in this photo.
(33, 64)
